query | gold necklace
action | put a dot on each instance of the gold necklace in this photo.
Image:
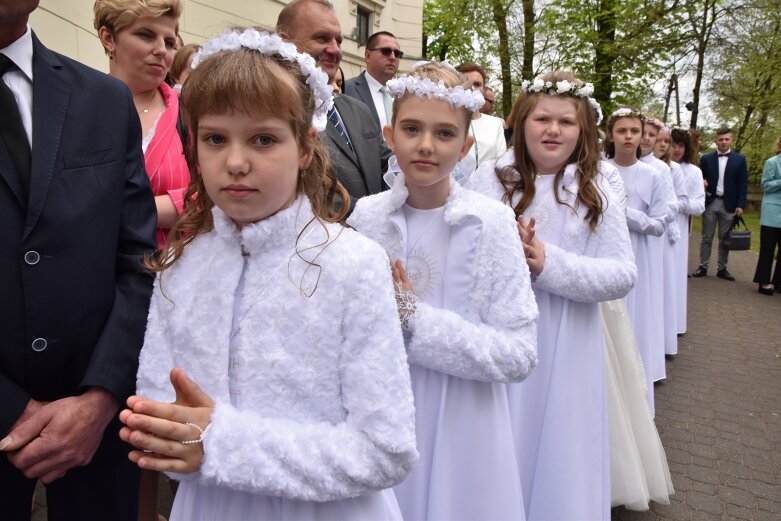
(149, 104)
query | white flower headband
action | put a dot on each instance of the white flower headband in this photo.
(657, 123)
(269, 45)
(626, 112)
(562, 87)
(425, 88)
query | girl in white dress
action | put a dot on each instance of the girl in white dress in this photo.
(638, 464)
(675, 274)
(665, 243)
(466, 303)
(646, 212)
(285, 319)
(578, 249)
(685, 154)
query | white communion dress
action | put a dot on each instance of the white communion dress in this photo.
(638, 464)
(666, 243)
(646, 210)
(290, 325)
(560, 419)
(695, 206)
(475, 328)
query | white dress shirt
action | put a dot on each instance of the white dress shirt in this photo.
(722, 168)
(20, 80)
(375, 87)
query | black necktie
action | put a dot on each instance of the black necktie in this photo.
(727, 154)
(11, 128)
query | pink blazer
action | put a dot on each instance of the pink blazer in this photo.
(166, 165)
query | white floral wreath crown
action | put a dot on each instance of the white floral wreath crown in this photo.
(425, 88)
(562, 87)
(657, 123)
(626, 112)
(270, 45)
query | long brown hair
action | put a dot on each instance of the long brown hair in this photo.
(250, 82)
(585, 156)
(683, 137)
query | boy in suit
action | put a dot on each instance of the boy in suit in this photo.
(726, 184)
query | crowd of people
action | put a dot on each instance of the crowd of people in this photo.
(301, 304)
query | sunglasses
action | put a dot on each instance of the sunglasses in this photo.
(386, 51)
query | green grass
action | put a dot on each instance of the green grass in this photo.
(751, 217)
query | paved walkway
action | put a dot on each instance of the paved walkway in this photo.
(719, 410)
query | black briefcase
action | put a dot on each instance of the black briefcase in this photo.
(736, 239)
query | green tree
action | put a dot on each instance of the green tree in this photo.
(622, 46)
(746, 84)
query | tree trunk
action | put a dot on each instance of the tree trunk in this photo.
(703, 38)
(500, 19)
(603, 56)
(529, 21)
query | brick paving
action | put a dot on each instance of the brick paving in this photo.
(718, 411)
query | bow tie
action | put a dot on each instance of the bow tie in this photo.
(725, 155)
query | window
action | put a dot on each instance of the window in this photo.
(362, 25)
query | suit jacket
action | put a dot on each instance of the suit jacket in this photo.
(361, 171)
(358, 88)
(74, 296)
(735, 179)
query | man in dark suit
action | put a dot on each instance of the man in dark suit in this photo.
(352, 137)
(382, 57)
(726, 180)
(76, 217)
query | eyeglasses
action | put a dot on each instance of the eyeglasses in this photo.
(386, 51)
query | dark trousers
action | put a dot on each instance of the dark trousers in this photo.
(106, 489)
(714, 213)
(769, 247)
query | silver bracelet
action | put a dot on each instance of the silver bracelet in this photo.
(407, 303)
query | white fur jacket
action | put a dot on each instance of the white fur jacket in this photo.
(322, 382)
(580, 264)
(487, 328)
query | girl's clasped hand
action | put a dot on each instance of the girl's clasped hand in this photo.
(168, 436)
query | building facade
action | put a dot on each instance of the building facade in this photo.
(66, 26)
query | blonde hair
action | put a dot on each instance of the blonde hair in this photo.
(250, 82)
(586, 155)
(118, 15)
(667, 157)
(437, 72)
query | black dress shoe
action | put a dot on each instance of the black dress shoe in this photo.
(765, 291)
(701, 272)
(724, 274)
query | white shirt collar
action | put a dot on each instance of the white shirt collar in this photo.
(21, 53)
(374, 85)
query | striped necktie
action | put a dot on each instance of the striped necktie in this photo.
(336, 121)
